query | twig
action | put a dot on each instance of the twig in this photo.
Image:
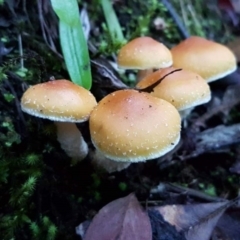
(152, 86)
(17, 104)
(47, 37)
(197, 25)
(103, 68)
(184, 15)
(20, 47)
(202, 120)
(193, 192)
(24, 7)
(183, 31)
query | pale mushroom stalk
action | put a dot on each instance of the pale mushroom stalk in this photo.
(143, 73)
(71, 140)
(100, 161)
(185, 113)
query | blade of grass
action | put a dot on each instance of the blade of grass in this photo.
(73, 42)
(114, 27)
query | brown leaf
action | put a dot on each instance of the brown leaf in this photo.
(162, 230)
(197, 221)
(228, 225)
(122, 219)
(235, 168)
(216, 139)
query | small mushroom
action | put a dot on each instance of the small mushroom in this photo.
(183, 89)
(209, 59)
(65, 103)
(131, 126)
(144, 54)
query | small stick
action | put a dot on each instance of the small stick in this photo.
(20, 51)
(184, 32)
(152, 86)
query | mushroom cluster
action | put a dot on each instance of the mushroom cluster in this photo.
(134, 125)
(201, 61)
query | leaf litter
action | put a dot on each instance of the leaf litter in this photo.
(125, 219)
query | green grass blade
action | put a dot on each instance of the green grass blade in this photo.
(73, 42)
(114, 27)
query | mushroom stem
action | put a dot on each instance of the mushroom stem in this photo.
(100, 161)
(71, 140)
(143, 73)
(185, 112)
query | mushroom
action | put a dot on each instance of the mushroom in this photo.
(65, 103)
(132, 126)
(144, 54)
(209, 59)
(183, 89)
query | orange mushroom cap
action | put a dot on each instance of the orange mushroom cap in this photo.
(134, 126)
(209, 59)
(183, 89)
(144, 53)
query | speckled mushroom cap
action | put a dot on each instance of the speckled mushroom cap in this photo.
(209, 59)
(144, 53)
(58, 100)
(183, 89)
(133, 126)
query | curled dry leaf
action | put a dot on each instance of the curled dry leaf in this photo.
(228, 225)
(235, 168)
(196, 221)
(214, 139)
(162, 230)
(122, 219)
(231, 98)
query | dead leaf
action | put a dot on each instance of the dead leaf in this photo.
(215, 139)
(82, 228)
(219, 137)
(122, 219)
(235, 168)
(230, 11)
(231, 98)
(162, 230)
(196, 221)
(228, 225)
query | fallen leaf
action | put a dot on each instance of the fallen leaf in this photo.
(196, 221)
(215, 139)
(162, 230)
(122, 219)
(235, 168)
(228, 225)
